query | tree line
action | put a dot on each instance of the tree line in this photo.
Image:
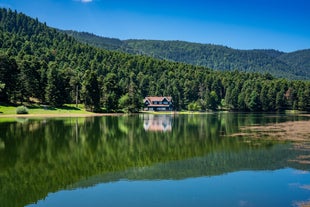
(41, 64)
(293, 65)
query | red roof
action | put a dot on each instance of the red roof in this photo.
(157, 98)
(158, 105)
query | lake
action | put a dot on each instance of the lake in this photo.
(153, 160)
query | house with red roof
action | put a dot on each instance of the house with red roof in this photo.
(158, 103)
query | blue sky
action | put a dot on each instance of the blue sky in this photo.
(242, 24)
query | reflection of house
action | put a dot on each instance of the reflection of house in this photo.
(157, 122)
(158, 103)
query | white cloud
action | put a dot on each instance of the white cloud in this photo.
(85, 1)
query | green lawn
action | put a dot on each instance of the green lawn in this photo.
(5, 110)
(41, 109)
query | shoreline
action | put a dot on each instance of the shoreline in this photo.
(90, 114)
(60, 115)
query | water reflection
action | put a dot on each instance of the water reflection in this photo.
(40, 156)
(159, 123)
(243, 188)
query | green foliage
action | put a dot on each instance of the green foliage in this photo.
(299, 62)
(124, 102)
(293, 65)
(40, 63)
(134, 95)
(253, 102)
(8, 78)
(22, 110)
(32, 77)
(2, 85)
(110, 91)
(91, 92)
(194, 106)
(213, 101)
(94, 40)
(55, 94)
(191, 106)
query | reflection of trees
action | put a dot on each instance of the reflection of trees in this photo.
(41, 156)
(214, 163)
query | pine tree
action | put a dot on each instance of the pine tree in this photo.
(90, 91)
(54, 90)
(253, 102)
(134, 94)
(110, 92)
(8, 77)
(213, 100)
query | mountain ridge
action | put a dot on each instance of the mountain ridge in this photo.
(292, 65)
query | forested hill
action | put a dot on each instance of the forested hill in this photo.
(294, 65)
(41, 64)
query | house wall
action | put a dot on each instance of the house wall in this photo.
(158, 109)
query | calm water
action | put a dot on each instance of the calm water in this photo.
(149, 160)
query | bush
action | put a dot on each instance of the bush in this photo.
(194, 106)
(22, 110)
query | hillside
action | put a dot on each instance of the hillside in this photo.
(288, 65)
(91, 39)
(40, 64)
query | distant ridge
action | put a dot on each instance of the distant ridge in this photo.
(293, 65)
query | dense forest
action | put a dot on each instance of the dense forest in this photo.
(40, 64)
(294, 65)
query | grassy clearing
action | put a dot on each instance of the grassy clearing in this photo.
(42, 109)
(5, 110)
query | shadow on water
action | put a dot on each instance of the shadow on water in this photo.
(41, 156)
